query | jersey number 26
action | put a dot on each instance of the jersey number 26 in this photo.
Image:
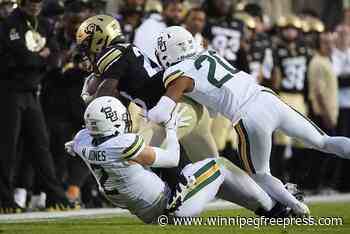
(214, 61)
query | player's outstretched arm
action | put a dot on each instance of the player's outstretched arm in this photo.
(161, 113)
(168, 157)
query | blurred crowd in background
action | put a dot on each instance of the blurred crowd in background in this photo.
(300, 49)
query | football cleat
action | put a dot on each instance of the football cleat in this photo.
(293, 189)
(180, 192)
(301, 210)
(278, 211)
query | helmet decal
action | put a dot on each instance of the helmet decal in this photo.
(92, 28)
(161, 44)
(110, 114)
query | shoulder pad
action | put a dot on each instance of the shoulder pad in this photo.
(109, 56)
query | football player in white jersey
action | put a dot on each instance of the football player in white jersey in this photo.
(120, 162)
(257, 112)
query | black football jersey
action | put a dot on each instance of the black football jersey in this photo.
(225, 37)
(293, 60)
(259, 49)
(140, 79)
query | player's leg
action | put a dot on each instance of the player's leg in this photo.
(199, 143)
(204, 180)
(292, 147)
(255, 137)
(220, 128)
(296, 125)
(238, 187)
(198, 185)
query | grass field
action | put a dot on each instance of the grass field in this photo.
(104, 225)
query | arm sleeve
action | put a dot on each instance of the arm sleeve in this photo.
(170, 156)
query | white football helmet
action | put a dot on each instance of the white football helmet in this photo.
(106, 116)
(174, 44)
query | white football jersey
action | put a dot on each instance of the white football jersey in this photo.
(130, 185)
(217, 84)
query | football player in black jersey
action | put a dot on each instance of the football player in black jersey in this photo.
(119, 69)
(262, 44)
(123, 71)
(254, 47)
(291, 59)
(312, 27)
(119, 66)
(225, 32)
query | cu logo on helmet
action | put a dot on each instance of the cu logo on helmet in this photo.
(91, 28)
(161, 44)
(110, 114)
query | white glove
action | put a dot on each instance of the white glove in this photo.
(177, 120)
(161, 113)
(68, 146)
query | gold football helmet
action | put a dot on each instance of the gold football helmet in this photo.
(289, 21)
(315, 25)
(153, 6)
(248, 20)
(97, 32)
(305, 26)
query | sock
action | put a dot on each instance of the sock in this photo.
(275, 188)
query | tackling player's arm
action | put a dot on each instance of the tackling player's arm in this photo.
(176, 88)
(155, 156)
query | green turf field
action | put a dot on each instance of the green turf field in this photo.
(134, 226)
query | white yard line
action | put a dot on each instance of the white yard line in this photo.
(112, 212)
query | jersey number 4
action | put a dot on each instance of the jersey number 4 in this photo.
(213, 61)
